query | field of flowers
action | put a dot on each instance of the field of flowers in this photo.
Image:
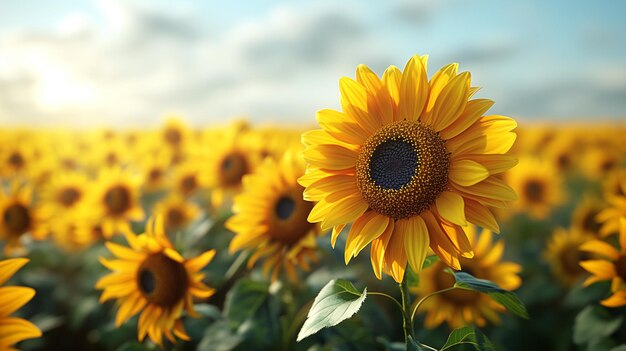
(413, 219)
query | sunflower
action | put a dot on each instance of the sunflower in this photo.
(461, 307)
(175, 133)
(177, 211)
(227, 162)
(64, 193)
(115, 200)
(188, 178)
(13, 329)
(612, 268)
(564, 254)
(410, 162)
(151, 277)
(616, 209)
(270, 218)
(539, 186)
(18, 217)
(584, 217)
(601, 161)
(154, 166)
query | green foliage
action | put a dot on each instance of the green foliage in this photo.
(336, 302)
(508, 299)
(595, 322)
(467, 338)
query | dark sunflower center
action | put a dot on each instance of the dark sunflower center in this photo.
(173, 136)
(393, 164)
(117, 199)
(233, 167)
(563, 161)
(402, 169)
(17, 219)
(589, 222)
(290, 224)
(16, 160)
(534, 190)
(155, 175)
(571, 257)
(608, 165)
(620, 266)
(162, 281)
(69, 196)
(69, 163)
(284, 207)
(111, 159)
(189, 184)
(444, 280)
(175, 218)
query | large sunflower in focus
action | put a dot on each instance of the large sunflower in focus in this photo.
(612, 266)
(13, 329)
(115, 201)
(18, 216)
(151, 277)
(271, 218)
(410, 162)
(462, 307)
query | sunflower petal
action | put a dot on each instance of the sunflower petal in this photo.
(416, 241)
(450, 206)
(8, 267)
(467, 172)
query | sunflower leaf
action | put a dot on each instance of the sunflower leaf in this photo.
(595, 322)
(467, 338)
(337, 301)
(506, 298)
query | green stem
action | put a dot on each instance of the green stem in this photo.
(406, 312)
(421, 301)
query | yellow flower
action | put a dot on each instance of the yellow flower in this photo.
(564, 254)
(18, 217)
(188, 178)
(600, 161)
(410, 162)
(64, 193)
(13, 329)
(462, 307)
(115, 201)
(177, 212)
(616, 209)
(612, 268)
(271, 218)
(585, 214)
(151, 277)
(539, 186)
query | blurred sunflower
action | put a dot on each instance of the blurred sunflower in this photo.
(410, 162)
(584, 217)
(64, 193)
(16, 157)
(115, 201)
(612, 268)
(539, 186)
(151, 277)
(177, 212)
(611, 215)
(18, 217)
(155, 165)
(270, 218)
(188, 178)
(13, 329)
(600, 161)
(564, 254)
(461, 307)
(175, 134)
(228, 160)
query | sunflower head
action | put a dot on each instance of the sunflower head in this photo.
(150, 277)
(462, 307)
(177, 211)
(270, 218)
(409, 161)
(18, 216)
(564, 254)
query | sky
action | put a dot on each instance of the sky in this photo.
(133, 63)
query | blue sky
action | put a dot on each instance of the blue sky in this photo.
(127, 63)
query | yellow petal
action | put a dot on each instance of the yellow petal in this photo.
(392, 78)
(616, 300)
(480, 215)
(14, 330)
(450, 206)
(378, 99)
(8, 267)
(197, 263)
(600, 268)
(413, 90)
(341, 126)
(416, 241)
(600, 248)
(474, 110)
(467, 172)
(365, 229)
(395, 256)
(451, 102)
(378, 249)
(332, 157)
(354, 103)
(14, 297)
(335, 234)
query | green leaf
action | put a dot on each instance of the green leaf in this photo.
(595, 322)
(619, 348)
(429, 261)
(244, 299)
(506, 298)
(467, 338)
(336, 302)
(414, 345)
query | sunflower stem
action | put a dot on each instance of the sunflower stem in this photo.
(407, 322)
(423, 299)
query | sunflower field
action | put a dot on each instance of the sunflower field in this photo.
(410, 219)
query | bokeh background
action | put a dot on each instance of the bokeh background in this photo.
(126, 63)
